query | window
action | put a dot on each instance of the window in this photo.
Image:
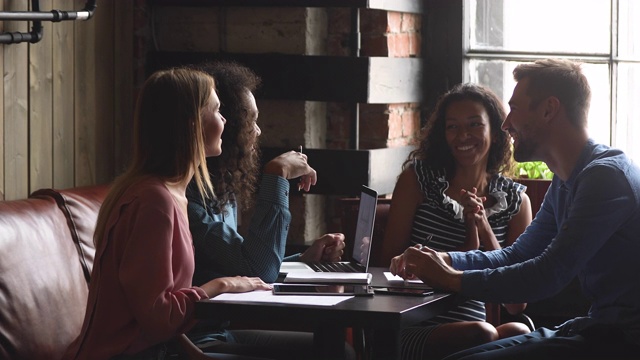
(500, 34)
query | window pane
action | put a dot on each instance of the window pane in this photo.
(498, 76)
(627, 124)
(629, 29)
(567, 26)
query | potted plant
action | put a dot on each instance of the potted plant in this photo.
(536, 176)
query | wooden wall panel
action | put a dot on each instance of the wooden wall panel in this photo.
(105, 96)
(16, 117)
(66, 99)
(63, 99)
(85, 100)
(40, 111)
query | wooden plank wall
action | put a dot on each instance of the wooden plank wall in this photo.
(67, 100)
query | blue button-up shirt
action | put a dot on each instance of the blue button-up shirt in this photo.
(221, 251)
(588, 226)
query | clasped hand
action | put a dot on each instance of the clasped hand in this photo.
(473, 205)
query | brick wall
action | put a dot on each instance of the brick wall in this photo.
(385, 34)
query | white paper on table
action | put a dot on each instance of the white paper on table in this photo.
(328, 278)
(391, 277)
(266, 296)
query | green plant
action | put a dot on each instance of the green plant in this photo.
(533, 170)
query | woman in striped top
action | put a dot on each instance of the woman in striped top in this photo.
(451, 195)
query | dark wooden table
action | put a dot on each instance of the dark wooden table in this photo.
(380, 317)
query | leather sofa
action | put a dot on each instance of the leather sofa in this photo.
(46, 257)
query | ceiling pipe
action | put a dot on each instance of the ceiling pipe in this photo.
(37, 17)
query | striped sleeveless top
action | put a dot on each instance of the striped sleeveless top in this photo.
(440, 217)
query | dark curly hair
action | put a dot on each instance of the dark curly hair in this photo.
(433, 148)
(235, 172)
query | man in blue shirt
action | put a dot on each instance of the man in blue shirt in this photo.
(588, 226)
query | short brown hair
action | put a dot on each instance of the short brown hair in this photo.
(560, 78)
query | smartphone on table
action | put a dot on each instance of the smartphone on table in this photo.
(322, 289)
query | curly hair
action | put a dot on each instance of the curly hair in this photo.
(235, 172)
(433, 148)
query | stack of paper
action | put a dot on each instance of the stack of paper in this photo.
(328, 278)
(268, 297)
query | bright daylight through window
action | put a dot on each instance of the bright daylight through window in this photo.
(604, 35)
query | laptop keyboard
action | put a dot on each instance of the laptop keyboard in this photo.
(334, 267)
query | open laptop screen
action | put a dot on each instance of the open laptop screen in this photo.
(364, 227)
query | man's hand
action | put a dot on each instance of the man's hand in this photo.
(291, 165)
(429, 266)
(329, 247)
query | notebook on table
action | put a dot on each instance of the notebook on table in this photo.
(359, 259)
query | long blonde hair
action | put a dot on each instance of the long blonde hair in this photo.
(168, 142)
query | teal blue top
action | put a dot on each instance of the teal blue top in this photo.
(221, 251)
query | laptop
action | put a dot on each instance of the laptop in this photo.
(359, 261)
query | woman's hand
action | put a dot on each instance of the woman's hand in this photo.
(473, 205)
(291, 165)
(477, 225)
(329, 247)
(236, 284)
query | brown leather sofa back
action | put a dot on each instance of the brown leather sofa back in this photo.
(80, 206)
(46, 254)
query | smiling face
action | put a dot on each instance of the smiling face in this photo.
(468, 132)
(521, 124)
(213, 125)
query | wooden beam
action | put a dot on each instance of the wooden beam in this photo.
(369, 80)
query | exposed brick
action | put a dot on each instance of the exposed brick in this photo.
(410, 122)
(398, 142)
(415, 46)
(395, 22)
(411, 22)
(395, 125)
(399, 45)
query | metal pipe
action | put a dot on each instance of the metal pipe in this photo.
(53, 15)
(37, 17)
